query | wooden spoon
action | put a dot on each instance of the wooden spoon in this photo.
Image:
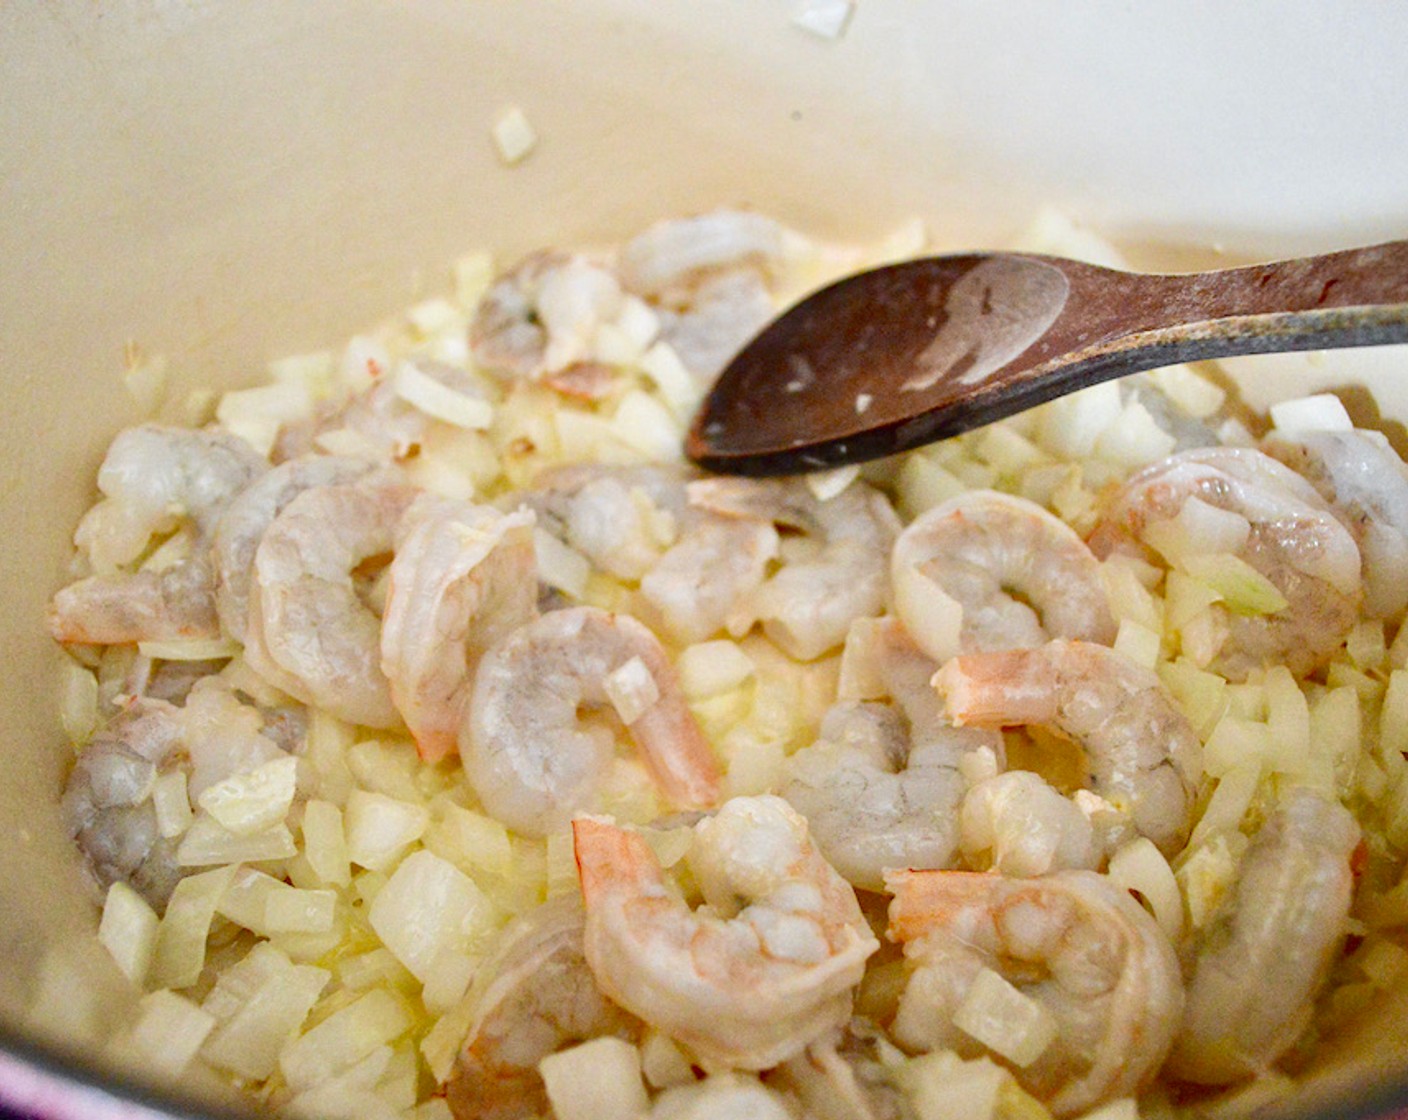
(911, 353)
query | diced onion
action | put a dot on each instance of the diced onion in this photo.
(255, 1025)
(180, 944)
(1245, 589)
(1139, 866)
(826, 485)
(190, 649)
(933, 618)
(417, 388)
(343, 1039)
(596, 1080)
(711, 668)
(1138, 643)
(560, 566)
(207, 842)
(380, 829)
(632, 690)
(128, 931)
(826, 19)
(429, 906)
(1005, 1020)
(254, 801)
(1322, 412)
(167, 1034)
(513, 136)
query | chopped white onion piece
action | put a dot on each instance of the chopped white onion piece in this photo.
(254, 801)
(514, 137)
(434, 398)
(1228, 804)
(473, 842)
(260, 1022)
(167, 1034)
(325, 843)
(663, 366)
(257, 414)
(632, 690)
(128, 931)
(826, 485)
(343, 1039)
(379, 828)
(447, 980)
(560, 566)
(933, 618)
(711, 668)
(427, 907)
(1138, 643)
(1140, 867)
(1124, 1108)
(826, 19)
(1005, 1020)
(1134, 439)
(1322, 412)
(299, 911)
(172, 803)
(596, 1080)
(208, 842)
(145, 378)
(190, 649)
(78, 702)
(180, 943)
(1199, 529)
(643, 423)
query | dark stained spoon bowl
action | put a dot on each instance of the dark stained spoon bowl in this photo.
(900, 356)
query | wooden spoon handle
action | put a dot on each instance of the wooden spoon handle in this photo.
(1358, 297)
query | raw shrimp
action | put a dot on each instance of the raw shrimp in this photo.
(1076, 945)
(463, 577)
(528, 756)
(1366, 483)
(1141, 753)
(1261, 962)
(533, 995)
(152, 474)
(542, 316)
(767, 967)
(635, 523)
(106, 803)
(241, 528)
(1291, 537)
(724, 312)
(808, 605)
(620, 517)
(989, 571)
(309, 633)
(881, 787)
(675, 254)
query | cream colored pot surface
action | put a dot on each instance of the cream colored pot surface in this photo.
(222, 183)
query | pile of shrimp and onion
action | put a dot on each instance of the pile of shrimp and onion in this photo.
(444, 750)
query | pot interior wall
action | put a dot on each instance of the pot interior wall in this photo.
(224, 184)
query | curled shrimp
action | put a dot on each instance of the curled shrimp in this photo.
(242, 526)
(309, 632)
(808, 605)
(635, 523)
(620, 517)
(531, 759)
(1079, 947)
(1143, 755)
(750, 980)
(107, 806)
(881, 787)
(534, 995)
(708, 276)
(1260, 963)
(463, 577)
(1366, 483)
(989, 571)
(542, 315)
(151, 474)
(1290, 536)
